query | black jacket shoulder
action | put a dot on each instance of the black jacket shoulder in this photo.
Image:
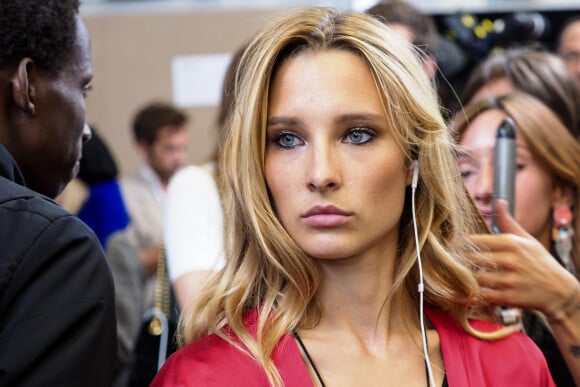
(57, 308)
(24, 216)
(17, 198)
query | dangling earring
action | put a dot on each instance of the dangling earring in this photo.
(562, 236)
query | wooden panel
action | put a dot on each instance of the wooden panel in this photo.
(132, 56)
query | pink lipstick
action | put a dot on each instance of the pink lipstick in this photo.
(326, 216)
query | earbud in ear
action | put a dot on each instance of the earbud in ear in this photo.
(415, 174)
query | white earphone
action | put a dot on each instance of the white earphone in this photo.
(421, 287)
(415, 174)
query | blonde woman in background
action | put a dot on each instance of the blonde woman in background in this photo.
(531, 256)
(320, 285)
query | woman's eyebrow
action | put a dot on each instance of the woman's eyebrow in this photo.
(353, 117)
(343, 118)
(465, 154)
(282, 120)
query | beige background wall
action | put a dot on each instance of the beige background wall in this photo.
(132, 56)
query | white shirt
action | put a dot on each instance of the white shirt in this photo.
(193, 227)
(144, 198)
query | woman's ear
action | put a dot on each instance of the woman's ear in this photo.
(23, 92)
(563, 196)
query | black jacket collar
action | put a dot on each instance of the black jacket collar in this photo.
(8, 167)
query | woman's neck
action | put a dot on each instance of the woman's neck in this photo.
(355, 296)
(363, 336)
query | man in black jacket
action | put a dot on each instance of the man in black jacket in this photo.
(57, 313)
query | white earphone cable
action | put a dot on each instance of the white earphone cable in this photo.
(421, 286)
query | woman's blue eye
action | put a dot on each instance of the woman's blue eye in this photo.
(358, 136)
(287, 140)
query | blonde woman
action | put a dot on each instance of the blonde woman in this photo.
(536, 260)
(321, 281)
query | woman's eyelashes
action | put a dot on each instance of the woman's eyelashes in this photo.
(467, 166)
(286, 139)
(359, 136)
(465, 173)
(469, 171)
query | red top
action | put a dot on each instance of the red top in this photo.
(513, 361)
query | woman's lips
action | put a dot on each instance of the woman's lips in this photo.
(487, 216)
(326, 216)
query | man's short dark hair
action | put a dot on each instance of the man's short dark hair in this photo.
(402, 12)
(154, 117)
(43, 30)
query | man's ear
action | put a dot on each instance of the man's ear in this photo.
(23, 92)
(143, 149)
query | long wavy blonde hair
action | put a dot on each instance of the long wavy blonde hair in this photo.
(266, 269)
(551, 143)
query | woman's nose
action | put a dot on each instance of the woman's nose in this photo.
(324, 172)
(484, 183)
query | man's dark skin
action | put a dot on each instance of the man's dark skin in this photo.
(57, 312)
